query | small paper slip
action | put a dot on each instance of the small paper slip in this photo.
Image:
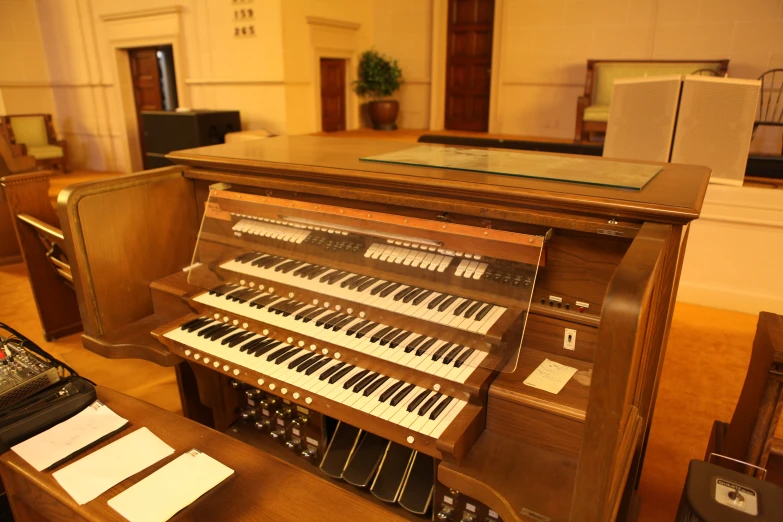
(60, 442)
(550, 376)
(87, 478)
(170, 489)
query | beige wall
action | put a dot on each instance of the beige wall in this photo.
(403, 30)
(24, 77)
(545, 44)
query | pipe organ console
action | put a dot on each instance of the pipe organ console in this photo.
(377, 324)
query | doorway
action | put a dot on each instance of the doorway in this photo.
(154, 84)
(469, 64)
(333, 90)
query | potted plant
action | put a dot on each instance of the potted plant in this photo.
(379, 77)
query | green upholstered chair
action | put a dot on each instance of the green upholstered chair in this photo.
(33, 134)
(592, 109)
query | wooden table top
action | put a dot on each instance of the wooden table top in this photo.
(261, 488)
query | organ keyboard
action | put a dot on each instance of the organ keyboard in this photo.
(401, 307)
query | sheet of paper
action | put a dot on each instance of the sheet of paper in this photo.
(87, 478)
(63, 440)
(550, 376)
(170, 489)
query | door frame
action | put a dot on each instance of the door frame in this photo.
(351, 99)
(440, 32)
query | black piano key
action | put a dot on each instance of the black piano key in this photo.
(204, 332)
(247, 256)
(389, 289)
(317, 273)
(462, 306)
(336, 277)
(391, 391)
(379, 334)
(249, 296)
(302, 269)
(402, 293)
(345, 322)
(317, 366)
(266, 347)
(277, 353)
(463, 357)
(424, 347)
(299, 360)
(192, 322)
(414, 343)
(421, 297)
(350, 280)
(399, 339)
(220, 289)
(412, 295)
(252, 344)
(312, 314)
(310, 361)
(263, 260)
(378, 289)
(432, 304)
(430, 403)
(402, 394)
(442, 406)
(239, 294)
(287, 355)
(440, 352)
(377, 383)
(355, 328)
(472, 309)
(361, 333)
(366, 284)
(291, 266)
(419, 398)
(357, 282)
(386, 339)
(217, 334)
(484, 311)
(311, 271)
(324, 278)
(330, 371)
(302, 312)
(200, 325)
(339, 374)
(445, 304)
(321, 320)
(452, 354)
(240, 334)
(354, 379)
(333, 321)
(262, 301)
(364, 382)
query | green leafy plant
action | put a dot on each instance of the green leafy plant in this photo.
(379, 75)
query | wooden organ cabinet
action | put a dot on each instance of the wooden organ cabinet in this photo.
(375, 323)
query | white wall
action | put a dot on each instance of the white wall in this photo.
(734, 252)
(24, 77)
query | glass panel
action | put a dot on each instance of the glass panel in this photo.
(583, 171)
(414, 291)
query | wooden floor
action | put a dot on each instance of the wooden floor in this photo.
(704, 369)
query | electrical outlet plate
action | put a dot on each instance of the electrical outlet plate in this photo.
(569, 339)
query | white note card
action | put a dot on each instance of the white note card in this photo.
(172, 488)
(550, 376)
(87, 478)
(63, 440)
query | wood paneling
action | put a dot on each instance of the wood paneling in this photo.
(332, 94)
(468, 64)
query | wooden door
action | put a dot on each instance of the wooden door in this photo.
(468, 64)
(332, 94)
(146, 83)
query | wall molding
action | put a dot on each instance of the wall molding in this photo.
(142, 13)
(331, 22)
(47, 85)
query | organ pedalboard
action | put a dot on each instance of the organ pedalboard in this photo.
(392, 325)
(391, 472)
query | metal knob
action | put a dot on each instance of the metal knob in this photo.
(300, 421)
(262, 425)
(468, 517)
(248, 413)
(445, 513)
(293, 445)
(309, 454)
